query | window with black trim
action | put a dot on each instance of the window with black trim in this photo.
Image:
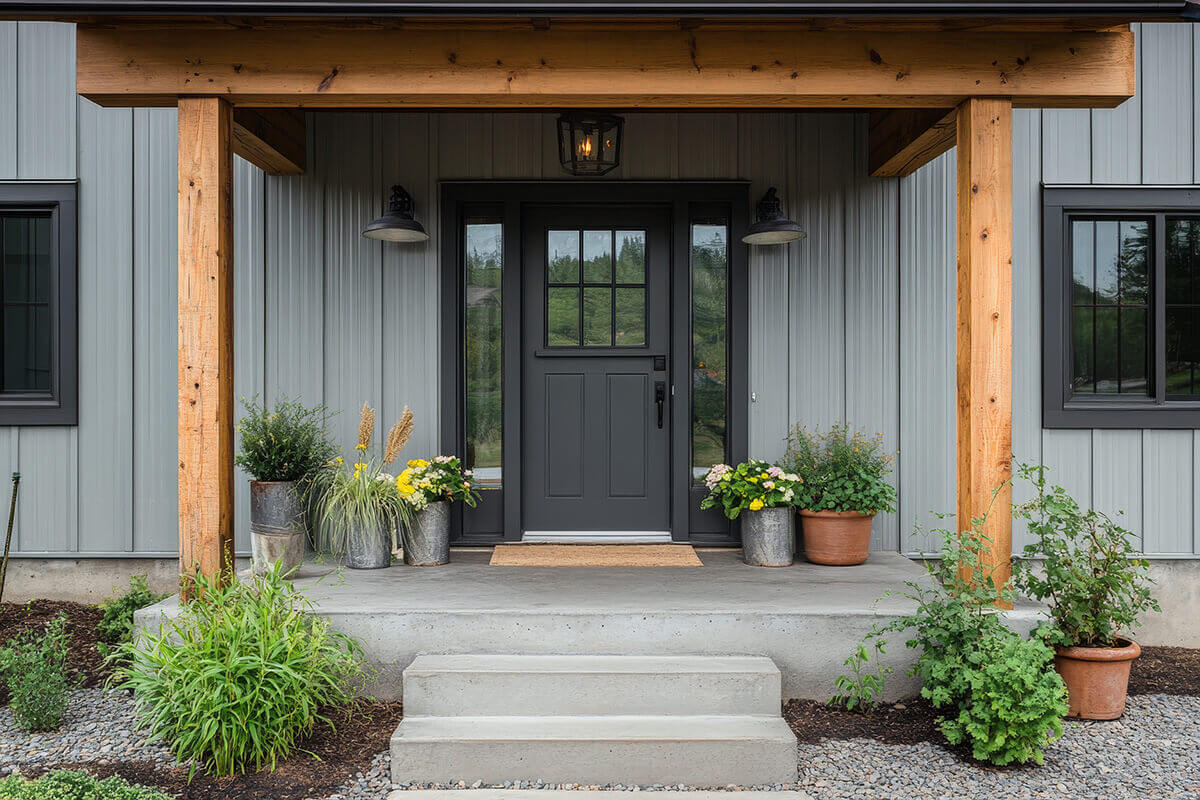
(38, 370)
(1121, 307)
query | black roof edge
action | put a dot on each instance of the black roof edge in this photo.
(1132, 9)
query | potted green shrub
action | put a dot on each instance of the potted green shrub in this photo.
(360, 509)
(281, 448)
(764, 493)
(429, 487)
(843, 485)
(1085, 567)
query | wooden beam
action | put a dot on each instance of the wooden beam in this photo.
(271, 139)
(984, 311)
(631, 67)
(902, 140)
(205, 337)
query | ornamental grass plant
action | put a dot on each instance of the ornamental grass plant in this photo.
(241, 675)
(840, 470)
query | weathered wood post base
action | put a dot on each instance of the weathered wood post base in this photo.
(984, 348)
(205, 339)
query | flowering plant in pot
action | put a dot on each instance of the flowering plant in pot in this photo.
(282, 449)
(765, 492)
(429, 487)
(843, 485)
(1085, 566)
(360, 509)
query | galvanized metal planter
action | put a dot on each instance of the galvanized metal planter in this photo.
(768, 537)
(277, 527)
(368, 547)
(428, 543)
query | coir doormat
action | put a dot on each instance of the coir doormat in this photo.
(595, 555)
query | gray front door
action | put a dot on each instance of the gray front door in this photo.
(597, 391)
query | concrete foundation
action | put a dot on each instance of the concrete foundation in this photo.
(806, 618)
(88, 580)
(1177, 587)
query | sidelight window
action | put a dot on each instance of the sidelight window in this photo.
(484, 249)
(710, 343)
(595, 288)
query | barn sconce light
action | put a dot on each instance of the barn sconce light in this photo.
(589, 144)
(770, 225)
(397, 223)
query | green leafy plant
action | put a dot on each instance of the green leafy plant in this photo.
(116, 626)
(1012, 701)
(33, 664)
(960, 635)
(424, 482)
(286, 443)
(750, 486)
(71, 785)
(240, 674)
(840, 470)
(361, 495)
(1083, 564)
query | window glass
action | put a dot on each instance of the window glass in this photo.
(1110, 271)
(25, 333)
(709, 263)
(484, 249)
(589, 303)
(1183, 308)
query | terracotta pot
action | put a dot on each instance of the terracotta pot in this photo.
(1097, 678)
(836, 538)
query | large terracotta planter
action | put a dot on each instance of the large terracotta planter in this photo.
(836, 538)
(1097, 678)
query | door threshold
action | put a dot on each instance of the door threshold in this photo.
(606, 537)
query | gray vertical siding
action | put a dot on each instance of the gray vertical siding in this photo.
(855, 323)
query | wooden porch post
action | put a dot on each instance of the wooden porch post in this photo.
(984, 348)
(205, 338)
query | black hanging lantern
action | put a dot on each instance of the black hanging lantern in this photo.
(589, 144)
(397, 223)
(770, 225)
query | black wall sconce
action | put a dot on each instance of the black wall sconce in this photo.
(770, 225)
(589, 144)
(397, 223)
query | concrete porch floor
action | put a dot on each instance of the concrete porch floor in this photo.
(807, 618)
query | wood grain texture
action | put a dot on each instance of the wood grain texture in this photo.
(744, 66)
(984, 317)
(205, 337)
(902, 140)
(273, 140)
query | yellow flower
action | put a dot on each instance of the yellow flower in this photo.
(751, 479)
(765, 475)
(340, 460)
(360, 447)
(756, 504)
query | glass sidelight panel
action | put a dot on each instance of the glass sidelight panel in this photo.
(710, 325)
(1183, 308)
(484, 355)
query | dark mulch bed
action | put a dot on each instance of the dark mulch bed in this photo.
(323, 762)
(1166, 670)
(84, 657)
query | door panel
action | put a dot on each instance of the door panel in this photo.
(596, 338)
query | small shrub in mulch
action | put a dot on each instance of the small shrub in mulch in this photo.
(84, 662)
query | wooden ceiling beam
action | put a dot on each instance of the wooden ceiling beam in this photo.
(629, 68)
(901, 140)
(272, 139)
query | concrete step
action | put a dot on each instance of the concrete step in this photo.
(704, 751)
(586, 794)
(590, 685)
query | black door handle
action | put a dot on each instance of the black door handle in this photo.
(660, 398)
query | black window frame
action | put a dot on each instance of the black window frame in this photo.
(1061, 408)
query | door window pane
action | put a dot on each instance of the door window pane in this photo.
(631, 317)
(597, 256)
(25, 303)
(709, 263)
(1110, 275)
(562, 256)
(484, 352)
(1183, 308)
(562, 316)
(597, 316)
(631, 256)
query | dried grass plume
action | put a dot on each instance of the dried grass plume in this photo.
(366, 426)
(398, 436)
